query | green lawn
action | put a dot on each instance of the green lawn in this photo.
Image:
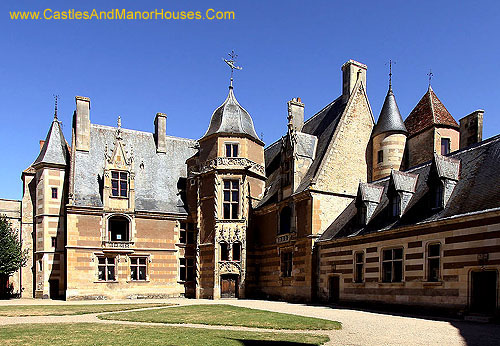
(224, 315)
(86, 334)
(51, 310)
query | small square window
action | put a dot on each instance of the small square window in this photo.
(54, 192)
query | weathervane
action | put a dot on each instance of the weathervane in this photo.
(430, 74)
(390, 72)
(56, 97)
(231, 63)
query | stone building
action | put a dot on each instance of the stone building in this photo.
(341, 208)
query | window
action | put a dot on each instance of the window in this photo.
(231, 199)
(392, 265)
(190, 233)
(359, 263)
(118, 228)
(53, 241)
(286, 263)
(186, 269)
(224, 252)
(237, 252)
(182, 233)
(445, 146)
(433, 262)
(119, 184)
(138, 268)
(231, 149)
(287, 177)
(395, 205)
(54, 192)
(285, 220)
(380, 156)
(362, 215)
(106, 269)
(40, 265)
(437, 198)
(186, 235)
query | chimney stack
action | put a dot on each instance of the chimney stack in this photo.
(81, 123)
(351, 72)
(161, 132)
(295, 114)
(471, 128)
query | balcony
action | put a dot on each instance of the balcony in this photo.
(234, 163)
(117, 244)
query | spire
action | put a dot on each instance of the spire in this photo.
(390, 119)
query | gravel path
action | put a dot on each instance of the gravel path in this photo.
(358, 327)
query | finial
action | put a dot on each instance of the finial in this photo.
(56, 97)
(430, 74)
(390, 72)
(231, 63)
(119, 122)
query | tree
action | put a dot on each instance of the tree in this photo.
(12, 256)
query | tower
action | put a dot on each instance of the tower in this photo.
(50, 191)
(230, 176)
(388, 138)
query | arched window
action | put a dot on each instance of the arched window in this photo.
(118, 228)
(224, 252)
(285, 220)
(237, 251)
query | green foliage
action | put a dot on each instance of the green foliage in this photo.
(12, 256)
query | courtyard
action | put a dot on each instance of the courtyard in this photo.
(226, 322)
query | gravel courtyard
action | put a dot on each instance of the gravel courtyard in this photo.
(358, 327)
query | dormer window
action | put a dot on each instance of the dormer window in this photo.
(445, 146)
(437, 198)
(287, 178)
(395, 205)
(232, 149)
(362, 215)
(285, 220)
(119, 184)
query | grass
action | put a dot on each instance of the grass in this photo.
(54, 310)
(225, 315)
(75, 334)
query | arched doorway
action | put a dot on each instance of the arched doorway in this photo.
(118, 228)
(229, 285)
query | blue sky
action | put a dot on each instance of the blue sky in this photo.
(287, 49)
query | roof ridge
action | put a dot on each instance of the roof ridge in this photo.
(430, 92)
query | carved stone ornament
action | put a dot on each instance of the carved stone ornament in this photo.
(228, 267)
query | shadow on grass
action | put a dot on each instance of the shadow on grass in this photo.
(269, 343)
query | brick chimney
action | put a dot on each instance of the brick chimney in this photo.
(81, 123)
(471, 128)
(351, 72)
(161, 132)
(295, 114)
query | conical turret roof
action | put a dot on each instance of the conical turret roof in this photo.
(390, 119)
(231, 118)
(429, 112)
(54, 150)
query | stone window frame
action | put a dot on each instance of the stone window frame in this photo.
(186, 233)
(224, 249)
(358, 264)
(428, 258)
(392, 261)
(286, 262)
(282, 217)
(448, 139)
(119, 181)
(380, 156)
(53, 242)
(105, 265)
(232, 203)
(108, 231)
(231, 145)
(145, 265)
(239, 245)
(54, 192)
(185, 273)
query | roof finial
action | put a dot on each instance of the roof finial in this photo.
(56, 97)
(430, 74)
(231, 64)
(390, 72)
(119, 122)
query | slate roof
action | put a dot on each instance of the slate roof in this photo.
(390, 119)
(55, 149)
(157, 175)
(428, 112)
(476, 190)
(231, 118)
(322, 125)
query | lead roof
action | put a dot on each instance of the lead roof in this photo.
(390, 119)
(55, 149)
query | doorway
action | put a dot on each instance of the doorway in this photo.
(334, 289)
(483, 291)
(229, 286)
(54, 289)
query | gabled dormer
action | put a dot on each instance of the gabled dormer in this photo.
(118, 189)
(367, 201)
(443, 176)
(400, 191)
